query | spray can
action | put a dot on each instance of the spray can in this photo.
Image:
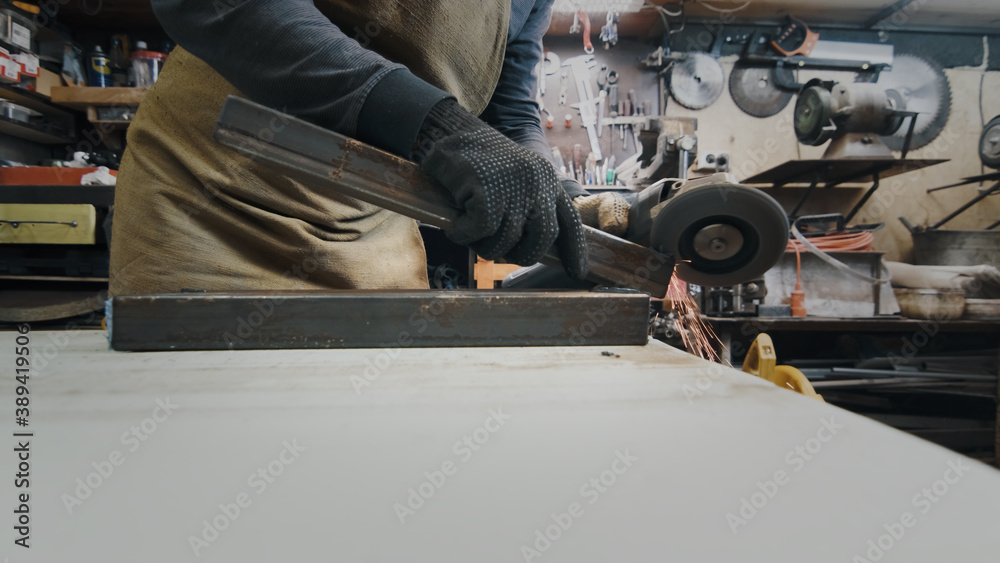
(99, 69)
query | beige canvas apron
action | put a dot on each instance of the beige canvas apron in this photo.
(192, 214)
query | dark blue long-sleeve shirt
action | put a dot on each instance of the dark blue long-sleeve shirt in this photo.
(287, 55)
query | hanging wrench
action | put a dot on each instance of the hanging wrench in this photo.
(550, 65)
(581, 16)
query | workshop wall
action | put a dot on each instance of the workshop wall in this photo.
(625, 59)
(758, 144)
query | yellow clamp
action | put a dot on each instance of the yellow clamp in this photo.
(762, 361)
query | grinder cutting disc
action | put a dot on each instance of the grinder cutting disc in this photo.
(697, 80)
(722, 235)
(755, 91)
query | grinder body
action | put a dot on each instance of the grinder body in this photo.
(720, 233)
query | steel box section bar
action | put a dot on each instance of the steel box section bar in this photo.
(377, 319)
(327, 160)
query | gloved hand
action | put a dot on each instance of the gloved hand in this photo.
(606, 211)
(514, 205)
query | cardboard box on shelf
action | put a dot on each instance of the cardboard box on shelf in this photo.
(46, 81)
(10, 71)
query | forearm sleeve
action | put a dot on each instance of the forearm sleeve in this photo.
(287, 55)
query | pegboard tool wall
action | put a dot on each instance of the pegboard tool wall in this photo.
(625, 58)
(759, 144)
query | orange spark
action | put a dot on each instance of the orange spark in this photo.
(696, 335)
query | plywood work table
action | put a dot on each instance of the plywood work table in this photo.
(329, 452)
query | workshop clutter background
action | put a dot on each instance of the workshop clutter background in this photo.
(887, 226)
(72, 75)
(704, 75)
(756, 145)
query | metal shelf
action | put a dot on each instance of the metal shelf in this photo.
(83, 98)
(835, 172)
(54, 279)
(33, 100)
(100, 196)
(31, 133)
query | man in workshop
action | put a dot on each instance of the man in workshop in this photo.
(447, 83)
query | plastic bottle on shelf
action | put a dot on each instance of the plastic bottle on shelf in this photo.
(121, 63)
(98, 69)
(146, 64)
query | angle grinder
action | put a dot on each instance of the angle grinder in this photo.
(720, 232)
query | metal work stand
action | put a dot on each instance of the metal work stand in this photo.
(829, 173)
(983, 194)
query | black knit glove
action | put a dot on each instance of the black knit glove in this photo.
(514, 204)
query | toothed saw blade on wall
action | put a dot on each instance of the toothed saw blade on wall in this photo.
(924, 87)
(755, 91)
(697, 80)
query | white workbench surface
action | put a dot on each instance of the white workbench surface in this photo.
(570, 411)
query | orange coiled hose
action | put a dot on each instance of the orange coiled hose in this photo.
(839, 242)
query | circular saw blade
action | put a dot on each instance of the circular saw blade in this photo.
(754, 90)
(697, 80)
(722, 235)
(989, 144)
(924, 87)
